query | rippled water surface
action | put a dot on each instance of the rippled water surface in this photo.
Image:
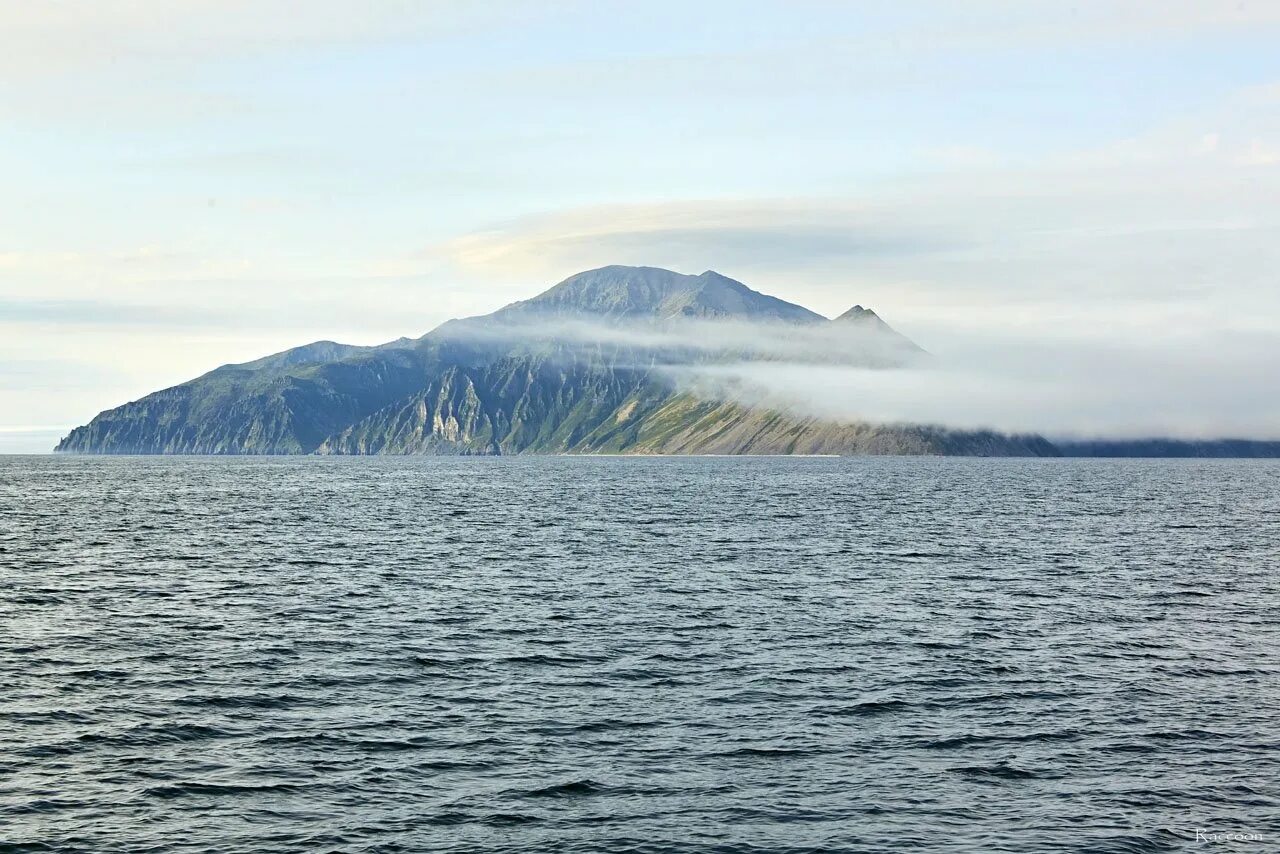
(647, 655)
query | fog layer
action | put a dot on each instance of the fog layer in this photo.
(1186, 384)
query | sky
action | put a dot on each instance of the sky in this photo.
(1087, 188)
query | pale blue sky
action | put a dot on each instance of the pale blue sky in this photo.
(192, 183)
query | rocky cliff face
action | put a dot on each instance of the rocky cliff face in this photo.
(525, 380)
(518, 404)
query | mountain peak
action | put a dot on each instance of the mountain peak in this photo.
(866, 320)
(315, 352)
(624, 293)
(862, 317)
(857, 313)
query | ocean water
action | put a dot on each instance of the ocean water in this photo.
(638, 655)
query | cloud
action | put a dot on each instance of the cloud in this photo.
(1019, 23)
(56, 38)
(1131, 244)
(687, 235)
(1193, 383)
(1217, 387)
(1260, 153)
(1181, 215)
(679, 339)
(114, 314)
(183, 286)
(37, 374)
(30, 440)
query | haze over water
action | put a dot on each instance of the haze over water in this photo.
(637, 654)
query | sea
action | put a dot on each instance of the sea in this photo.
(638, 654)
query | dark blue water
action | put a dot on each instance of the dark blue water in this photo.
(638, 655)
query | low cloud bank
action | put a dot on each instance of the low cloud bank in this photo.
(676, 341)
(1072, 406)
(1114, 392)
(1192, 385)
